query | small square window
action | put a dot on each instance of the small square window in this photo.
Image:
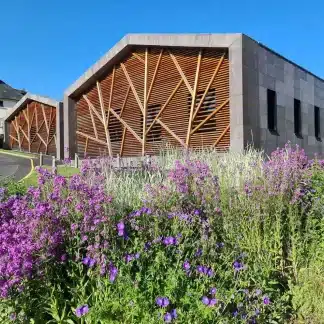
(1, 103)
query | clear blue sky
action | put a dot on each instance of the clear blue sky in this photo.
(46, 45)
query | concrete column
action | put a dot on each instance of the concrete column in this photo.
(6, 142)
(59, 132)
(236, 95)
(69, 116)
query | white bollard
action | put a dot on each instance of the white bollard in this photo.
(41, 159)
(76, 160)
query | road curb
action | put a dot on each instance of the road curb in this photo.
(30, 172)
(32, 167)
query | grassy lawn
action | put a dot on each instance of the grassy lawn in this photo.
(63, 170)
(17, 153)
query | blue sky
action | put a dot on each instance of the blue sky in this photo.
(47, 45)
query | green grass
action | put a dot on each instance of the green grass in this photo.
(17, 153)
(63, 170)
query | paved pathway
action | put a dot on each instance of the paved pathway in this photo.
(13, 166)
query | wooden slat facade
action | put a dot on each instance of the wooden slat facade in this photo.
(156, 96)
(33, 129)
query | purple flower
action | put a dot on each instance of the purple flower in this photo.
(120, 226)
(82, 310)
(266, 300)
(205, 300)
(167, 318)
(212, 302)
(86, 261)
(162, 301)
(238, 266)
(13, 316)
(198, 253)
(212, 291)
(186, 265)
(169, 240)
(113, 271)
(258, 292)
(174, 313)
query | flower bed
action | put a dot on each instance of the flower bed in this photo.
(192, 245)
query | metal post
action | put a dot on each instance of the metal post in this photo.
(76, 160)
(41, 159)
(53, 163)
(118, 161)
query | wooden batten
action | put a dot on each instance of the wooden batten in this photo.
(156, 95)
(33, 128)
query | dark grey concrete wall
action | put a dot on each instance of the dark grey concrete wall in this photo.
(263, 69)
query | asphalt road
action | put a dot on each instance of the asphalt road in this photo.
(14, 167)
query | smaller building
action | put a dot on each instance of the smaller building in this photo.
(8, 98)
(34, 125)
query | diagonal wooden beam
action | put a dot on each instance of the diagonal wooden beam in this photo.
(165, 105)
(14, 138)
(104, 120)
(185, 80)
(208, 86)
(193, 99)
(45, 120)
(24, 134)
(41, 138)
(123, 142)
(49, 125)
(126, 125)
(132, 87)
(171, 133)
(91, 137)
(145, 102)
(37, 128)
(91, 106)
(125, 101)
(210, 116)
(221, 135)
(154, 75)
(138, 57)
(111, 94)
(91, 115)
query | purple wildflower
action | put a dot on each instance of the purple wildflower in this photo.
(205, 300)
(167, 318)
(212, 291)
(82, 310)
(162, 301)
(212, 302)
(186, 265)
(266, 300)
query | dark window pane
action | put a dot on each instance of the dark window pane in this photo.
(1, 103)
(317, 123)
(297, 118)
(272, 110)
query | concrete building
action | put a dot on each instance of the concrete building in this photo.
(8, 98)
(254, 96)
(35, 125)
